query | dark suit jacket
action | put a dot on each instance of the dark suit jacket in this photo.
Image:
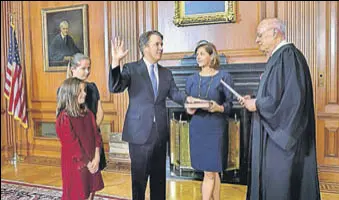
(142, 104)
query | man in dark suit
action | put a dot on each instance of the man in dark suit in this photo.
(145, 127)
(62, 47)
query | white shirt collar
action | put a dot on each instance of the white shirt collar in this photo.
(148, 64)
(282, 43)
(62, 36)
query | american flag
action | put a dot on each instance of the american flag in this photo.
(8, 70)
(14, 83)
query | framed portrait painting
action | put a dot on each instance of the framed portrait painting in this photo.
(188, 13)
(65, 33)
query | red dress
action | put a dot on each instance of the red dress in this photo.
(79, 137)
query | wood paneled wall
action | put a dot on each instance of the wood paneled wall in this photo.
(43, 85)
(327, 94)
(6, 139)
(13, 136)
(122, 18)
(312, 26)
(235, 40)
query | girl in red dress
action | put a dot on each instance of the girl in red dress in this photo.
(80, 142)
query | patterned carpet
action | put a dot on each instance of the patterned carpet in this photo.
(14, 190)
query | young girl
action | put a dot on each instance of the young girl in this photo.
(80, 142)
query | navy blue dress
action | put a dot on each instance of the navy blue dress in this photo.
(208, 131)
(92, 97)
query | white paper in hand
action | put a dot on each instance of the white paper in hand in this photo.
(231, 89)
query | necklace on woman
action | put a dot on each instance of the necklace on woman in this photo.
(208, 88)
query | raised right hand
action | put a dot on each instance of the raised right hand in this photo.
(118, 52)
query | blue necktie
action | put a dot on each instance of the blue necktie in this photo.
(154, 80)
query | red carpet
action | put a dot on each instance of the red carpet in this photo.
(15, 190)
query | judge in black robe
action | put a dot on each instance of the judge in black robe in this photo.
(283, 150)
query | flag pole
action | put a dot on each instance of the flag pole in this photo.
(15, 156)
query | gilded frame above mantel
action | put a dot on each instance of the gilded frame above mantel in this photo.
(188, 13)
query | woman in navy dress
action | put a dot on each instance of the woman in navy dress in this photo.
(208, 127)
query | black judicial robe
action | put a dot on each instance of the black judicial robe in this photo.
(283, 148)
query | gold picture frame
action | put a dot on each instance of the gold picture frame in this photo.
(188, 13)
(57, 47)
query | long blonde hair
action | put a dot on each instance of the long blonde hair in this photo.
(67, 98)
(75, 62)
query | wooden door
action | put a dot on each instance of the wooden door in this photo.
(327, 96)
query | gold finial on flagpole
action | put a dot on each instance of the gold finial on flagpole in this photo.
(11, 18)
